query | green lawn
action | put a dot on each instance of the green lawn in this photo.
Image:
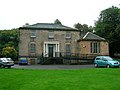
(85, 79)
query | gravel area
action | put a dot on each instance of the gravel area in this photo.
(53, 67)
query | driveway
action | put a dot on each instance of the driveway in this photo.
(53, 67)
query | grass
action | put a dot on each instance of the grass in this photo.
(85, 79)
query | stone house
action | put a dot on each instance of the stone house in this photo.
(53, 41)
(93, 44)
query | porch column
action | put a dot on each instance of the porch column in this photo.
(58, 48)
(58, 51)
(46, 50)
(55, 50)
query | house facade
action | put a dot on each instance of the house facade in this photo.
(92, 44)
(50, 40)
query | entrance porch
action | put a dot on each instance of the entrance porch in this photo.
(51, 49)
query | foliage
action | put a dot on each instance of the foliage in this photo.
(9, 38)
(9, 52)
(83, 28)
(57, 22)
(88, 79)
(108, 26)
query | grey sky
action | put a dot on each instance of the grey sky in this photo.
(15, 13)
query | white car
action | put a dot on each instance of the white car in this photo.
(6, 62)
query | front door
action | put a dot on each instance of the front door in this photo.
(50, 50)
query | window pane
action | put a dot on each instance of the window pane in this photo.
(68, 49)
(91, 48)
(33, 33)
(51, 34)
(32, 48)
(95, 47)
(98, 47)
(68, 35)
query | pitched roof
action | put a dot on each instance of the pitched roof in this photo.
(50, 26)
(91, 36)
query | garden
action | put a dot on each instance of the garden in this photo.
(83, 79)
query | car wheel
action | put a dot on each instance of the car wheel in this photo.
(2, 66)
(9, 66)
(118, 67)
(108, 66)
(96, 65)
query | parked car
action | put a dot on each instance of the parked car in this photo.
(23, 61)
(6, 62)
(105, 61)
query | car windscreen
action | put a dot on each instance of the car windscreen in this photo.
(97, 58)
(107, 58)
(4, 59)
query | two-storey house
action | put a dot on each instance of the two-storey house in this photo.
(56, 40)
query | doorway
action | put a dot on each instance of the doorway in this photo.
(50, 50)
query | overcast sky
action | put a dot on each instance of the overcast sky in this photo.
(15, 13)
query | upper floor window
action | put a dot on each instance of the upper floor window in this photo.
(33, 33)
(51, 34)
(68, 35)
(95, 47)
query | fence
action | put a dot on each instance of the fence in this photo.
(76, 58)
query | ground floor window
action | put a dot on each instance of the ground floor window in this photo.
(95, 47)
(68, 50)
(32, 48)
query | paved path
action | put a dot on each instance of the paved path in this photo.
(53, 67)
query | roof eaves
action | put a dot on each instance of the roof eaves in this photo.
(48, 29)
(90, 40)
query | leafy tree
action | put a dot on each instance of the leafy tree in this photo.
(9, 38)
(9, 52)
(83, 29)
(78, 26)
(57, 22)
(108, 26)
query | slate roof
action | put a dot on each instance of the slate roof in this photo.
(91, 36)
(48, 26)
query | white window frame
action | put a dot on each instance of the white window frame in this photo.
(33, 33)
(95, 47)
(32, 48)
(68, 35)
(51, 34)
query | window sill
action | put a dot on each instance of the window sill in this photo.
(33, 36)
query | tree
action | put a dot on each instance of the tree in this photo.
(9, 38)
(108, 26)
(83, 29)
(78, 26)
(57, 22)
(9, 52)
